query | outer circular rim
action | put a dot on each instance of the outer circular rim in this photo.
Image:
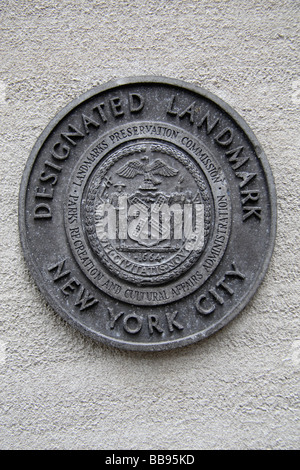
(159, 346)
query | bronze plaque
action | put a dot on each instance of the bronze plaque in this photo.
(147, 213)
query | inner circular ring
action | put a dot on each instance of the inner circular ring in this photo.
(173, 204)
(91, 265)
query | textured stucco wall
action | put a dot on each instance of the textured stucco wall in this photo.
(239, 388)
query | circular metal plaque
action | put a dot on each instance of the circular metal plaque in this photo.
(147, 213)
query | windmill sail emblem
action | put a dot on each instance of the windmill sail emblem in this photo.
(149, 170)
(146, 194)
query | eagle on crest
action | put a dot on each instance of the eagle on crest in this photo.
(157, 167)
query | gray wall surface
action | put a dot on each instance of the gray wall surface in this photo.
(237, 389)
